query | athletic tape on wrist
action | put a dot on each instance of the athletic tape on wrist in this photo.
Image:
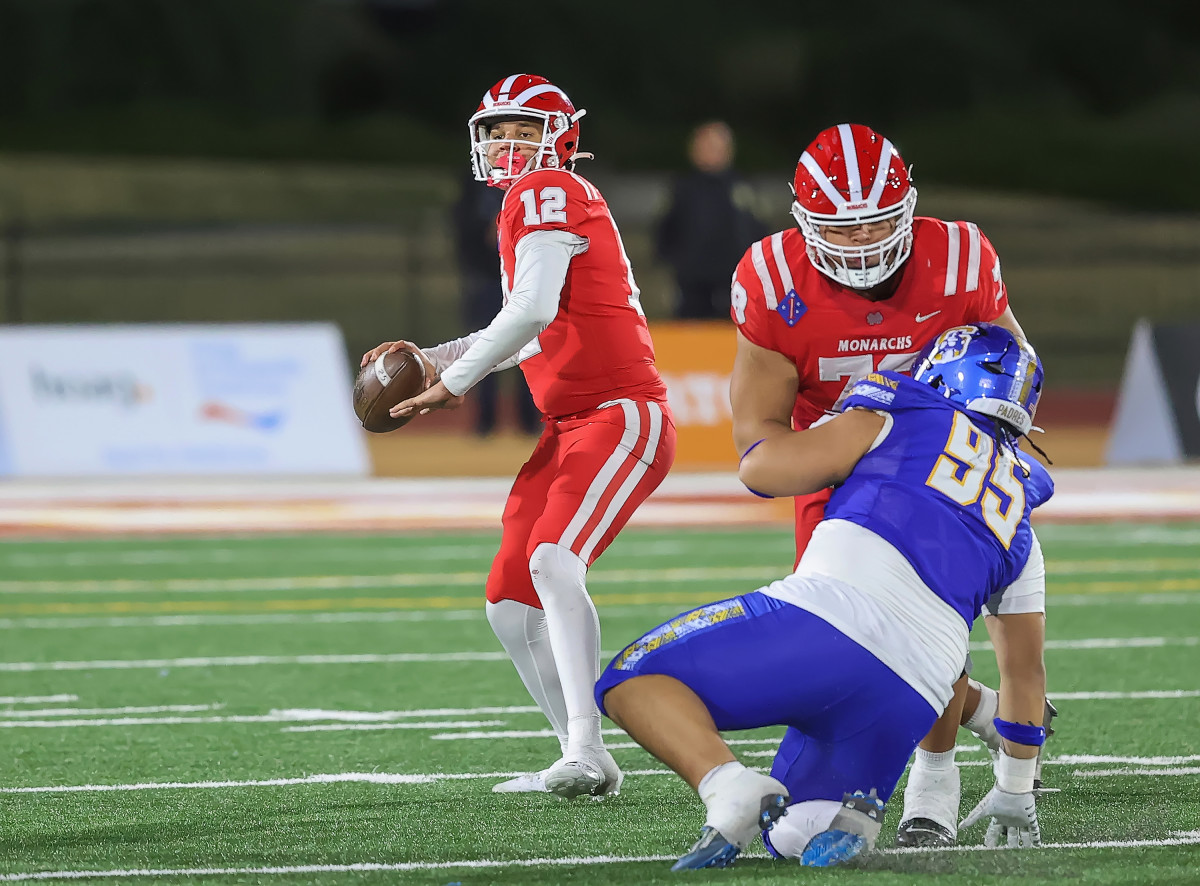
(1020, 733)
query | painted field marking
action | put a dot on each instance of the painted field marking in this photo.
(391, 778)
(1177, 838)
(670, 575)
(449, 553)
(232, 718)
(330, 778)
(88, 712)
(338, 615)
(38, 699)
(1080, 759)
(1150, 693)
(439, 657)
(666, 575)
(1107, 773)
(1104, 643)
(228, 661)
(175, 621)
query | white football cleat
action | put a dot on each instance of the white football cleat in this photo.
(527, 783)
(593, 773)
(930, 816)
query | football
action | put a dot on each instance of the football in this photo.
(382, 384)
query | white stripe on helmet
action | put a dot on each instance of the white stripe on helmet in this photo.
(540, 89)
(809, 162)
(881, 174)
(850, 155)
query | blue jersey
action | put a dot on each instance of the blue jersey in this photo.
(944, 491)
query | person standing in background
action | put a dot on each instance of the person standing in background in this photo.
(474, 219)
(707, 226)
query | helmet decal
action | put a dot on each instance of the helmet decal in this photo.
(985, 369)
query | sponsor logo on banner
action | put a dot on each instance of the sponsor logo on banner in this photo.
(120, 389)
(177, 399)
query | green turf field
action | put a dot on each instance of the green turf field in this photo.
(335, 709)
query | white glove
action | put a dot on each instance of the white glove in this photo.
(1010, 806)
(1013, 819)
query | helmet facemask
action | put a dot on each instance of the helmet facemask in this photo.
(555, 125)
(859, 267)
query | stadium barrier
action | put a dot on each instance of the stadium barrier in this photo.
(124, 400)
(1157, 418)
(695, 359)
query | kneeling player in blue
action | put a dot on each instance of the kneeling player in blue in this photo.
(857, 650)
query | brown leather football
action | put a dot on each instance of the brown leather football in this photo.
(383, 383)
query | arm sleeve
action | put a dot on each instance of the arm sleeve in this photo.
(443, 355)
(542, 259)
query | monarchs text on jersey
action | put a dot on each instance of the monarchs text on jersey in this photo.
(833, 336)
(598, 346)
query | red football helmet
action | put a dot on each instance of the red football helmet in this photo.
(524, 96)
(851, 175)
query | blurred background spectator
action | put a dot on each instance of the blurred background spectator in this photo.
(708, 224)
(474, 215)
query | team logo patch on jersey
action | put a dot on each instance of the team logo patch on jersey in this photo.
(688, 623)
(791, 308)
(874, 318)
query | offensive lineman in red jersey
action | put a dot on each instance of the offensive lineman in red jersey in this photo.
(861, 285)
(572, 320)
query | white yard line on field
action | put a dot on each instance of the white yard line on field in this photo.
(288, 618)
(1107, 773)
(473, 614)
(403, 778)
(1177, 838)
(427, 551)
(229, 661)
(670, 575)
(89, 712)
(1101, 643)
(37, 699)
(330, 778)
(274, 717)
(664, 575)
(440, 657)
(1151, 693)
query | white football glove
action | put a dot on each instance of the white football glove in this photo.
(1013, 817)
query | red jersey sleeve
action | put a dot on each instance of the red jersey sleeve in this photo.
(748, 301)
(546, 200)
(990, 299)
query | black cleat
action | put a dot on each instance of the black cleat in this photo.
(923, 832)
(1047, 719)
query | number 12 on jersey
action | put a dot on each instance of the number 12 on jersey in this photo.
(552, 201)
(971, 471)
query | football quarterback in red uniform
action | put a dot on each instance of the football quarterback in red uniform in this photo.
(861, 285)
(572, 320)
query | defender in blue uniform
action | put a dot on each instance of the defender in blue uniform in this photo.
(858, 649)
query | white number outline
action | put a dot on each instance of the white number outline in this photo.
(985, 473)
(857, 367)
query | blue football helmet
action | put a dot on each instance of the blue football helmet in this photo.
(986, 369)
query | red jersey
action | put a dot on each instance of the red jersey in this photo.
(781, 302)
(598, 346)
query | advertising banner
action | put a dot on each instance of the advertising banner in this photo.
(695, 359)
(176, 399)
